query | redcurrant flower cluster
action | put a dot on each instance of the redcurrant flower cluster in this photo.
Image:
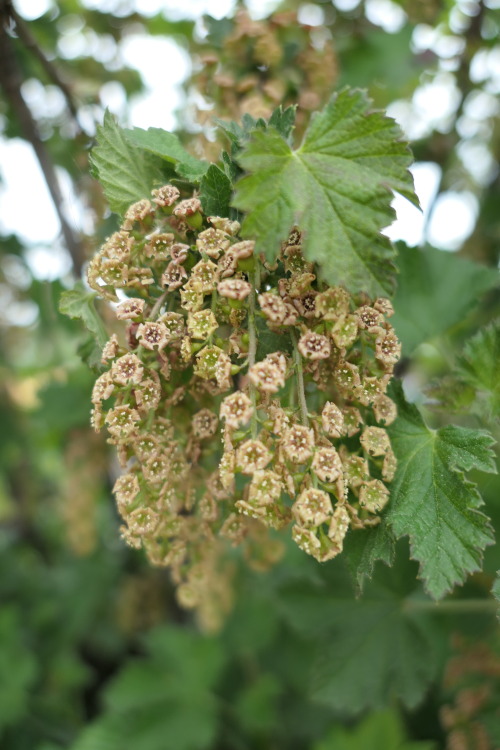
(240, 395)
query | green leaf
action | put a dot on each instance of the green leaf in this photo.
(125, 172)
(369, 650)
(435, 291)
(433, 503)
(215, 192)
(232, 130)
(479, 366)
(168, 146)
(283, 120)
(18, 668)
(336, 187)
(363, 548)
(79, 303)
(163, 701)
(496, 592)
(368, 61)
(377, 731)
(240, 134)
(65, 405)
(256, 706)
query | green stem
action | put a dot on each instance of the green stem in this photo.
(452, 606)
(300, 380)
(252, 344)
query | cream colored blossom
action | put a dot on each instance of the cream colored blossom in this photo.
(130, 309)
(388, 348)
(373, 496)
(173, 277)
(368, 317)
(153, 335)
(148, 394)
(327, 464)
(234, 288)
(252, 456)
(103, 388)
(385, 409)
(332, 420)
(127, 370)
(375, 441)
(332, 304)
(265, 487)
(204, 424)
(312, 508)
(314, 346)
(267, 375)
(202, 324)
(159, 246)
(137, 212)
(165, 196)
(179, 253)
(236, 409)
(126, 489)
(122, 421)
(212, 242)
(298, 443)
(204, 274)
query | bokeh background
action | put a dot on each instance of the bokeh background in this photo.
(94, 652)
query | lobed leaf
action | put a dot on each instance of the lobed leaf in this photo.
(168, 146)
(284, 120)
(215, 192)
(433, 503)
(79, 303)
(368, 649)
(479, 366)
(363, 548)
(336, 187)
(126, 172)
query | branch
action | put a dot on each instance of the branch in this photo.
(11, 80)
(52, 72)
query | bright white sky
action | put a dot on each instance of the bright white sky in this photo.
(433, 105)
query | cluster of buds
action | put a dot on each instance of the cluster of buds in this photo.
(240, 395)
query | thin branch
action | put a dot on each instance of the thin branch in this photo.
(29, 41)
(11, 80)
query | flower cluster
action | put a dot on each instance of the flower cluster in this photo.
(239, 396)
(253, 70)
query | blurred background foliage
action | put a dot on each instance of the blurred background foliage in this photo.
(94, 652)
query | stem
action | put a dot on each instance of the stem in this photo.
(157, 305)
(451, 607)
(252, 344)
(300, 380)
